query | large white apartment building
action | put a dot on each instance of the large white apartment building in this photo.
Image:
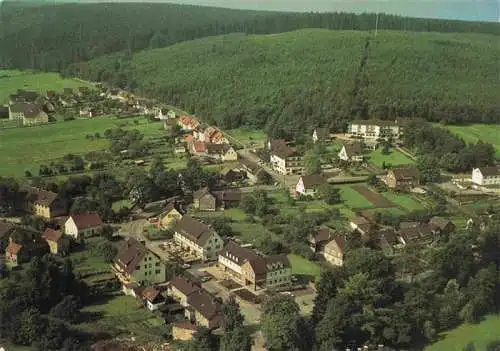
(374, 129)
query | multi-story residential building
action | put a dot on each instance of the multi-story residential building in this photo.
(198, 237)
(136, 264)
(334, 250)
(403, 178)
(485, 176)
(253, 270)
(375, 129)
(204, 309)
(180, 288)
(284, 158)
(43, 203)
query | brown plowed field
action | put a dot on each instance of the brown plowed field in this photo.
(375, 198)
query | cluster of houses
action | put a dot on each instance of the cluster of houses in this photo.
(330, 244)
(22, 244)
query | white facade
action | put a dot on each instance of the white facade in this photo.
(71, 230)
(343, 156)
(480, 179)
(223, 261)
(370, 130)
(292, 165)
(154, 307)
(301, 189)
(212, 246)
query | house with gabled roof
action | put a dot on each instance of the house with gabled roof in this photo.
(284, 158)
(309, 184)
(79, 226)
(204, 310)
(334, 250)
(221, 152)
(43, 203)
(204, 200)
(440, 225)
(153, 298)
(171, 214)
(403, 178)
(188, 123)
(486, 176)
(57, 241)
(321, 134)
(197, 237)
(351, 152)
(180, 288)
(18, 253)
(136, 264)
(6, 228)
(319, 238)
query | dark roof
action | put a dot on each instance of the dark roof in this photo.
(490, 171)
(277, 262)
(321, 235)
(86, 220)
(52, 235)
(29, 109)
(353, 149)
(439, 222)
(281, 148)
(194, 229)
(322, 133)
(382, 123)
(201, 192)
(6, 228)
(238, 254)
(184, 285)
(131, 255)
(228, 195)
(205, 304)
(406, 173)
(313, 180)
(40, 196)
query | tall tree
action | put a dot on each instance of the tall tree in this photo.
(280, 322)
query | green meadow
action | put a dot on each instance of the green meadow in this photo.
(472, 133)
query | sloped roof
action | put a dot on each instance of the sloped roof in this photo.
(40, 196)
(171, 206)
(381, 123)
(490, 171)
(131, 255)
(205, 304)
(228, 195)
(339, 241)
(238, 254)
(360, 221)
(201, 192)
(199, 146)
(30, 110)
(322, 133)
(86, 220)
(52, 235)
(281, 148)
(277, 262)
(217, 148)
(321, 235)
(184, 285)
(150, 293)
(353, 149)
(406, 173)
(439, 222)
(194, 229)
(313, 180)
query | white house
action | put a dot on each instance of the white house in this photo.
(83, 225)
(321, 134)
(486, 175)
(351, 152)
(308, 184)
(284, 158)
(153, 298)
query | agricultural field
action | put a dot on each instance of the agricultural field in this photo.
(474, 132)
(11, 80)
(352, 198)
(27, 147)
(406, 201)
(394, 158)
(480, 334)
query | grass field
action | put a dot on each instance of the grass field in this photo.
(352, 198)
(247, 136)
(474, 132)
(11, 80)
(302, 266)
(28, 147)
(122, 316)
(395, 158)
(481, 334)
(406, 201)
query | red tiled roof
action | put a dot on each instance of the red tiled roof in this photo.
(199, 146)
(52, 235)
(86, 220)
(13, 248)
(150, 293)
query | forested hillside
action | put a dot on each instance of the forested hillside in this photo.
(299, 79)
(50, 37)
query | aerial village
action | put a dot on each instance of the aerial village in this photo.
(185, 276)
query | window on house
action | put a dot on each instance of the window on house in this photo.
(137, 267)
(157, 264)
(157, 271)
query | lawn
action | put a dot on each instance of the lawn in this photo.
(25, 148)
(302, 266)
(481, 334)
(118, 205)
(395, 158)
(406, 201)
(11, 80)
(474, 132)
(247, 136)
(124, 316)
(352, 198)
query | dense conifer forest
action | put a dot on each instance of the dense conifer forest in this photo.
(300, 79)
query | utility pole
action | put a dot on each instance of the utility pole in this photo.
(376, 26)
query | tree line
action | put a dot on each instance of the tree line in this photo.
(50, 37)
